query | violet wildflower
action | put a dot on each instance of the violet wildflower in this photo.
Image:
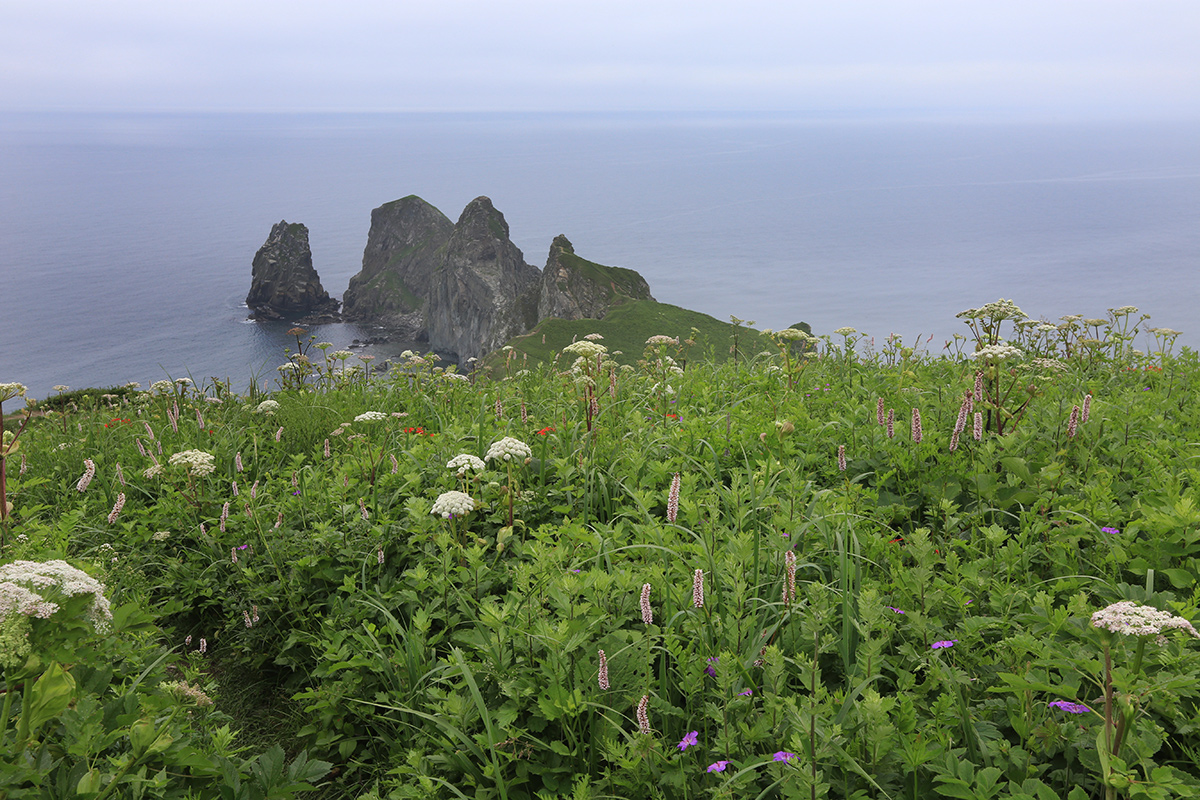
(710, 670)
(116, 509)
(746, 693)
(893, 608)
(783, 755)
(602, 673)
(943, 644)
(689, 740)
(673, 499)
(698, 589)
(1069, 707)
(1113, 531)
(647, 612)
(643, 714)
(718, 766)
(89, 472)
(915, 426)
(1073, 422)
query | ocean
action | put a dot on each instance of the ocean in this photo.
(126, 239)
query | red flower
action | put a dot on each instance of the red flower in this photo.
(546, 430)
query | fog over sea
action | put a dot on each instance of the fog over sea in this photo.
(126, 240)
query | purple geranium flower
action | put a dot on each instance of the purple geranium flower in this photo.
(944, 643)
(1113, 531)
(1069, 707)
(689, 740)
(784, 755)
(746, 693)
(710, 670)
(893, 608)
(718, 766)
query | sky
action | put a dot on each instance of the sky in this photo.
(1037, 58)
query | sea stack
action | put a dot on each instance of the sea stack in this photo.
(483, 293)
(283, 282)
(575, 288)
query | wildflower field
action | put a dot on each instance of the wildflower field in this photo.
(830, 568)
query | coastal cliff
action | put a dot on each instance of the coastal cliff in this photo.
(283, 282)
(575, 288)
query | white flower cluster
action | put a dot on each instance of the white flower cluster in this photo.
(795, 334)
(997, 352)
(1123, 311)
(507, 449)
(450, 505)
(845, 331)
(341, 355)
(60, 576)
(197, 462)
(660, 339)
(10, 390)
(464, 462)
(593, 337)
(1050, 364)
(585, 349)
(999, 310)
(268, 407)
(371, 416)
(1130, 619)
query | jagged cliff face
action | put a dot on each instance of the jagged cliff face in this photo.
(283, 282)
(483, 293)
(574, 288)
(403, 251)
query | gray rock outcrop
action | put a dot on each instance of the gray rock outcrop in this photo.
(403, 251)
(575, 288)
(283, 282)
(483, 293)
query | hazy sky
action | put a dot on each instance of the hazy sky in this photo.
(1108, 58)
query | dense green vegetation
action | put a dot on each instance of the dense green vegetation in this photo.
(876, 575)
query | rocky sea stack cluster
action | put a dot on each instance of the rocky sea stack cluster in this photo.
(462, 287)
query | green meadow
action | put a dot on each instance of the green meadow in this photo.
(641, 557)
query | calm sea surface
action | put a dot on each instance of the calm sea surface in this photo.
(126, 240)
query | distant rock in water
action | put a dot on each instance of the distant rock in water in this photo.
(403, 251)
(483, 293)
(283, 283)
(574, 288)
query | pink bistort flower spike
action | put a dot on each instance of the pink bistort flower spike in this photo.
(643, 715)
(24, 465)
(891, 423)
(879, 416)
(841, 458)
(233, 554)
(116, 509)
(602, 673)
(978, 393)
(673, 499)
(789, 561)
(647, 612)
(246, 617)
(1073, 422)
(395, 464)
(120, 474)
(149, 430)
(254, 491)
(916, 425)
(279, 433)
(978, 426)
(237, 462)
(279, 520)
(224, 516)
(363, 507)
(235, 489)
(89, 472)
(1087, 408)
(698, 589)
(204, 645)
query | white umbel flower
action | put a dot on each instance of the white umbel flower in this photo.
(10, 390)
(997, 352)
(451, 505)
(267, 407)
(197, 462)
(371, 416)
(1130, 619)
(585, 349)
(508, 449)
(464, 462)
(62, 577)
